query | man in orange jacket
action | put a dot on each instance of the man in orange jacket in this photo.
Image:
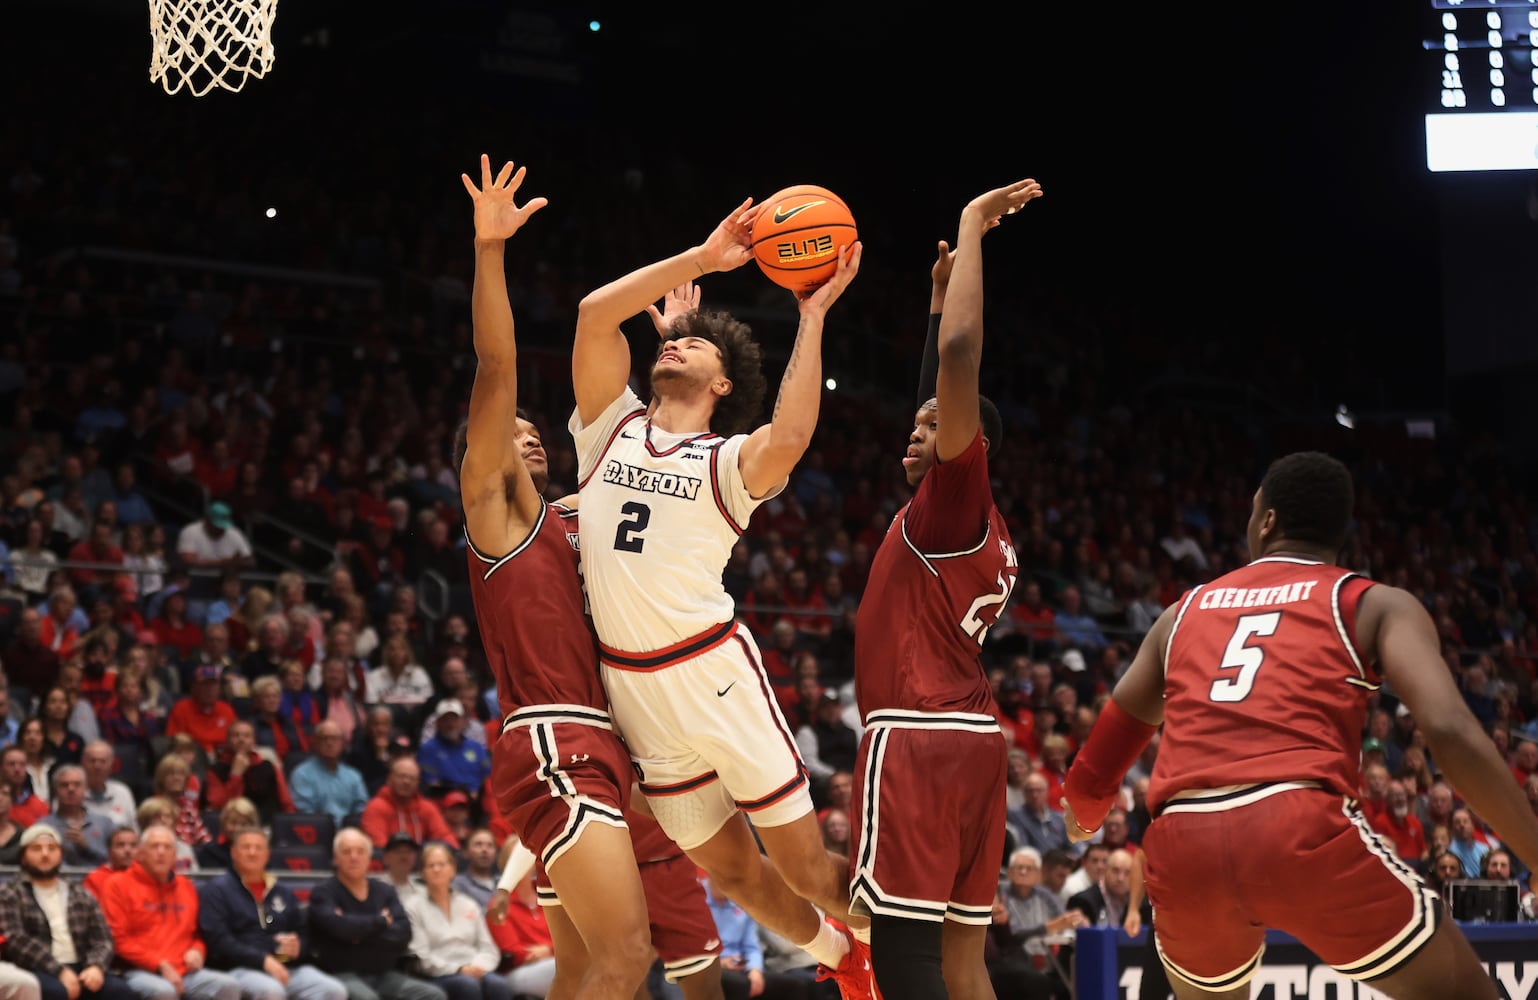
(153, 915)
(400, 808)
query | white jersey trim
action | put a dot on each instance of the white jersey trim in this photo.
(494, 563)
(1169, 640)
(1340, 626)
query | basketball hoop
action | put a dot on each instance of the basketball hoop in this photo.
(203, 44)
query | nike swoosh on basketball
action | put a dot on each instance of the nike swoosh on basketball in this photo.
(780, 215)
(722, 693)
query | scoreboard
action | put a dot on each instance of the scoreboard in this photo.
(1482, 85)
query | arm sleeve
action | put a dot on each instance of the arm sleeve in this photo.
(519, 862)
(929, 363)
(949, 511)
(593, 440)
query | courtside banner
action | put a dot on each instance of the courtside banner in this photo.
(1108, 965)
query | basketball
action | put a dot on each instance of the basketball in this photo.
(797, 236)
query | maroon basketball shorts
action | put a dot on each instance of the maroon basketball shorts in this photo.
(927, 830)
(683, 929)
(1226, 864)
(556, 770)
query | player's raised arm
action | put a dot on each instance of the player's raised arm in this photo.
(771, 452)
(1394, 627)
(600, 357)
(961, 326)
(496, 518)
(929, 364)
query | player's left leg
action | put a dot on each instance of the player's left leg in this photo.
(907, 956)
(961, 960)
(811, 871)
(570, 954)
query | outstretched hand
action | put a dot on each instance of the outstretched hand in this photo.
(730, 244)
(680, 301)
(825, 294)
(990, 207)
(497, 215)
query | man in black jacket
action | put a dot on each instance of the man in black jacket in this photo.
(255, 930)
(359, 930)
(31, 904)
(1105, 903)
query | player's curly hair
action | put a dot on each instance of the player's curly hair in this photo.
(1312, 495)
(742, 360)
(462, 436)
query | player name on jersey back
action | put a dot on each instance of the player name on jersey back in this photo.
(1257, 597)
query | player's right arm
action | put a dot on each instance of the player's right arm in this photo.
(961, 326)
(929, 364)
(1394, 629)
(1127, 723)
(600, 357)
(496, 519)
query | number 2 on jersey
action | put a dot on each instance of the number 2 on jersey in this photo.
(628, 537)
(1244, 658)
(973, 624)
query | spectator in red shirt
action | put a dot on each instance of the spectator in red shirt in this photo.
(801, 596)
(399, 807)
(241, 771)
(203, 715)
(762, 606)
(98, 677)
(1525, 761)
(172, 627)
(1034, 619)
(55, 631)
(97, 548)
(1398, 824)
(25, 807)
(217, 470)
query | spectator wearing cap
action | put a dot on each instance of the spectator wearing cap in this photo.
(324, 783)
(449, 761)
(203, 715)
(449, 936)
(455, 807)
(55, 929)
(241, 770)
(214, 542)
(81, 835)
(400, 856)
(122, 845)
(153, 913)
(400, 807)
(398, 681)
(256, 930)
(826, 743)
(359, 931)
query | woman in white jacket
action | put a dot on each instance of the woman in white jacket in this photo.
(449, 936)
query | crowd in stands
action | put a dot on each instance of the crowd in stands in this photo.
(236, 637)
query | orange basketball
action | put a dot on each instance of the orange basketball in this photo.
(797, 236)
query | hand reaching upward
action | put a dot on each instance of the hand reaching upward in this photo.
(679, 301)
(497, 215)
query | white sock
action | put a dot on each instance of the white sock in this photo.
(829, 946)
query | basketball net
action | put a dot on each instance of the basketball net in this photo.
(203, 44)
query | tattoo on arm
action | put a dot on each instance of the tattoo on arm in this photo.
(790, 370)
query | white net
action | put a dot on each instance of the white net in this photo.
(203, 44)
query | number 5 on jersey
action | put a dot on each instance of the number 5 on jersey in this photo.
(1244, 658)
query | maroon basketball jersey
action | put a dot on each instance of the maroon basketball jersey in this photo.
(529, 606)
(938, 582)
(1263, 682)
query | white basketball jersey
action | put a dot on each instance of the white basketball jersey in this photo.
(661, 513)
